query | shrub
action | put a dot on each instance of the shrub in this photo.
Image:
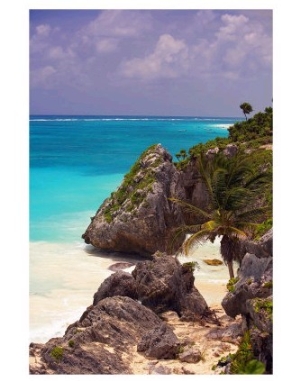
(57, 353)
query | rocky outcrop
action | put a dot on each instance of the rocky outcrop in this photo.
(160, 343)
(96, 344)
(255, 278)
(138, 217)
(252, 297)
(262, 248)
(163, 284)
(125, 320)
(120, 283)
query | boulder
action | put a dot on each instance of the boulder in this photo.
(261, 248)
(120, 283)
(164, 284)
(252, 297)
(139, 217)
(96, 344)
(254, 281)
(190, 355)
(160, 343)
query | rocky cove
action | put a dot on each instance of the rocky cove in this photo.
(154, 320)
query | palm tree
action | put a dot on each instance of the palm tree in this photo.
(231, 214)
(247, 108)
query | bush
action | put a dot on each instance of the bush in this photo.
(57, 353)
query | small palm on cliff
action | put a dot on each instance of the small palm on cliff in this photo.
(246, 108)
(232, 211)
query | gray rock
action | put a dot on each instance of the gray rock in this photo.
(252, 297)
(262, 248)
(159, 369)
(255, 275)
(139, 218)
(190, 355)
(160, 343)
(164, 284)
(230, 150)
(120, 283)
(97, 342)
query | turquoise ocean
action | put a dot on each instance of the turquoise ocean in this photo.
(75, 164)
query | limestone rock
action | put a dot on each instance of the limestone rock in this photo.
(262, 248)
(190, 355)
(254, 281)
(138, 217)
(120, 283)
(252, 297)
(160, 343)
(97, 342)
(164, 284)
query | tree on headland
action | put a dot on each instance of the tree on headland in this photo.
(232, 212)
(246, 108)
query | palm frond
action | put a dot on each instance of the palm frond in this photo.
(190, 208)
(195, 239)
(253, 215)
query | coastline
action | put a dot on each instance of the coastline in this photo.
(64, 278)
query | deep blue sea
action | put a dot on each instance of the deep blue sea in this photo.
(75, 163)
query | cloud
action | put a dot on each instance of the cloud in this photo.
(43, 30)
(119, 23)
(167, 60)
(146, 46)
(238, 45)
(106, 45)
(105, 33)
(232, 28)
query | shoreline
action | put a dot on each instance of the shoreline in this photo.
(64, 278)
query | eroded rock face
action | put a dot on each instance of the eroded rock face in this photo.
(120, 283)
(262, 248)
(254, 281)
(138, 217)
(96, 344)
(164, 284)
(160, 343)
(252, 297)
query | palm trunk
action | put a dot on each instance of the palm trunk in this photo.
(230, 269)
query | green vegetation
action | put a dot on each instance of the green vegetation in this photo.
(232, 211)
(133, 189)
(71, 343)
(260, 128)
(231, 283)
(248, 136)
(191, 266)
(239, 188)
(181, 155)
(57, 353)
(265, 305)
(243, 361)
(268, 284)
(246, 108)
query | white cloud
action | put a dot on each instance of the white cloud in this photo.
(43, 30)
(106, 45)
(234, 24)
(168, 59)
(119, 23)
(239, 44)
(210, 44)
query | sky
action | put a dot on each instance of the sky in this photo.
(150, 62)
